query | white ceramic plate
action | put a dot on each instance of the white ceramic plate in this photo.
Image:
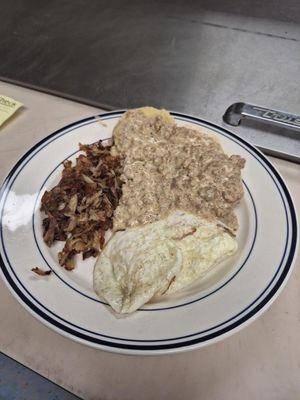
(232, 295)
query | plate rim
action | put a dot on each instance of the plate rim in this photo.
(154, 349)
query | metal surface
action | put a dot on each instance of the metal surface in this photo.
(18, 382)
(238, 111)
(241, 111)
(190, 56)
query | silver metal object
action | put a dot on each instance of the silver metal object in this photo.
(238, 111)
(280, 154)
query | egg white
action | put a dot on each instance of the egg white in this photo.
(162, 257)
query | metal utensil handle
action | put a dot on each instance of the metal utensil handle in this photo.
(237, 111)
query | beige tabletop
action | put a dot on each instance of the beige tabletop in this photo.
(260, 362)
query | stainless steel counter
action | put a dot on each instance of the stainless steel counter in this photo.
(196, 57)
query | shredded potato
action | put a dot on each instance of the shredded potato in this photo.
(80, 208)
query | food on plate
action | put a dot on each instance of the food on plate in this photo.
(165, 192)
(159, 258)
(80, 207)
(168, 167)
(41, 272)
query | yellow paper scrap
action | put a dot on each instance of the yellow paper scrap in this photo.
(8, 107)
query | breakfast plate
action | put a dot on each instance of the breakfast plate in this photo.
(233, 294)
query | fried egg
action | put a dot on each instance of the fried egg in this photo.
(158, 258)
